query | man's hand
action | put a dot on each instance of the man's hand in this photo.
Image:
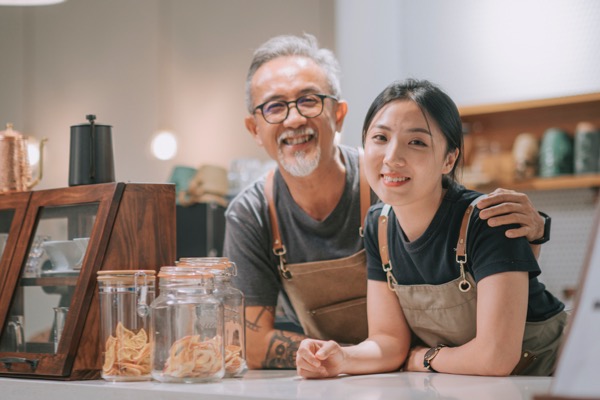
(503, 207)
(319, 359)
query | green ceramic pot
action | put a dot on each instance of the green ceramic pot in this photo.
(587, 149)
(181, 176)
(556, 153)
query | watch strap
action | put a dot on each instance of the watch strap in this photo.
(546, 236)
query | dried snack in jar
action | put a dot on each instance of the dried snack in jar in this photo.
(234, 362)
(190, 357)
(127, 353)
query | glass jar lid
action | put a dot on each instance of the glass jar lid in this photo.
(185, 272)
(218, 265)
(126, 276)
(204, 259)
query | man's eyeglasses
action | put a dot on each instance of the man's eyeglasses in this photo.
(309, 106)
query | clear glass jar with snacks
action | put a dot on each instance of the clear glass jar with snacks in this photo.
(234, 315)
(125, 298)
(187, 327)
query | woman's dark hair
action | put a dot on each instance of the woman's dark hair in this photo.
(433, 102)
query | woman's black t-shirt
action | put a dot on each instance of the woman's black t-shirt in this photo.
(431, 259)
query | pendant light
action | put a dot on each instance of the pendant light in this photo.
(164, 142)
(29, 2)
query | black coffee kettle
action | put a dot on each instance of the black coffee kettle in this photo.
(91, 156)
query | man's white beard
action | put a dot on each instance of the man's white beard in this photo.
(302, 165)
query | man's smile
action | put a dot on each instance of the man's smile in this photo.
(297, 137)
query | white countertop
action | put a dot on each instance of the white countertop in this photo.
(287, 385)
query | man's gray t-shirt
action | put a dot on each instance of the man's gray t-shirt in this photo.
(248, 237)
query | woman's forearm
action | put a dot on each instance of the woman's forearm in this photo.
(376, 354)
(475, 358)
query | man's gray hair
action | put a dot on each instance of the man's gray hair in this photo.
(287, 45)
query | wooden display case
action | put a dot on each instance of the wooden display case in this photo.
(129, 226)
(501, 123)
(12, 213)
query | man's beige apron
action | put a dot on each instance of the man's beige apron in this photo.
(447, 313)
(329, 297)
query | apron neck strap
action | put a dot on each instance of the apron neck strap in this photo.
(277, 245)
(382, 228)
(365, 190)
(461, 246)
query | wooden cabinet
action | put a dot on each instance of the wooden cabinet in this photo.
(501, 123)
(12, 213)
(121, 226)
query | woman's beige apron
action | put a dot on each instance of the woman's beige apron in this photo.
(447, 313)
(329, 297)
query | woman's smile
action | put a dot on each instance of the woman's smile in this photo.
(394, 180)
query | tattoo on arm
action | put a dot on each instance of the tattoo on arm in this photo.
(253, 325)
(281, 353)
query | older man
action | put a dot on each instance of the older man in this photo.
(295, 234)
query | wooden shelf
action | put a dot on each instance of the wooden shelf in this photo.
(50, 281)
(556, 183)
(500, 124)
(528, 105)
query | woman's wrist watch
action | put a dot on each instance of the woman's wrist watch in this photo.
(430, 355)
(546, 236)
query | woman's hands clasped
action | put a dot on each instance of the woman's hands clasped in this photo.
(319, 359)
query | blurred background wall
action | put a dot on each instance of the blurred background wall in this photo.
(142, 66)
(146, 65)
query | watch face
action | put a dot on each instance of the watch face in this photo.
(431, 353)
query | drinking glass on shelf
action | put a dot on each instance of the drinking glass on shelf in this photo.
(3, 239)
(37, 255)
(12, 339)
(82, 244)
(60, 316)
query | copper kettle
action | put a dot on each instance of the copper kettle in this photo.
(15, 171)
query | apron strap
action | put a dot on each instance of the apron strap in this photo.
(382, 228)
(278, 246)
(461, 247)
(365, 191)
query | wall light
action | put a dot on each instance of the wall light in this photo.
(164, 145)
(29, 2)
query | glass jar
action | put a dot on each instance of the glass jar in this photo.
(234, 315)
(125, 297)
(187, 327)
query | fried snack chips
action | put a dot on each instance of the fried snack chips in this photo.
(234, 363)
(127, 354)
(189, 357)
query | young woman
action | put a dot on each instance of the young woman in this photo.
(446, 292)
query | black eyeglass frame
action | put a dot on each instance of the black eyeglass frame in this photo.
(322, 97)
